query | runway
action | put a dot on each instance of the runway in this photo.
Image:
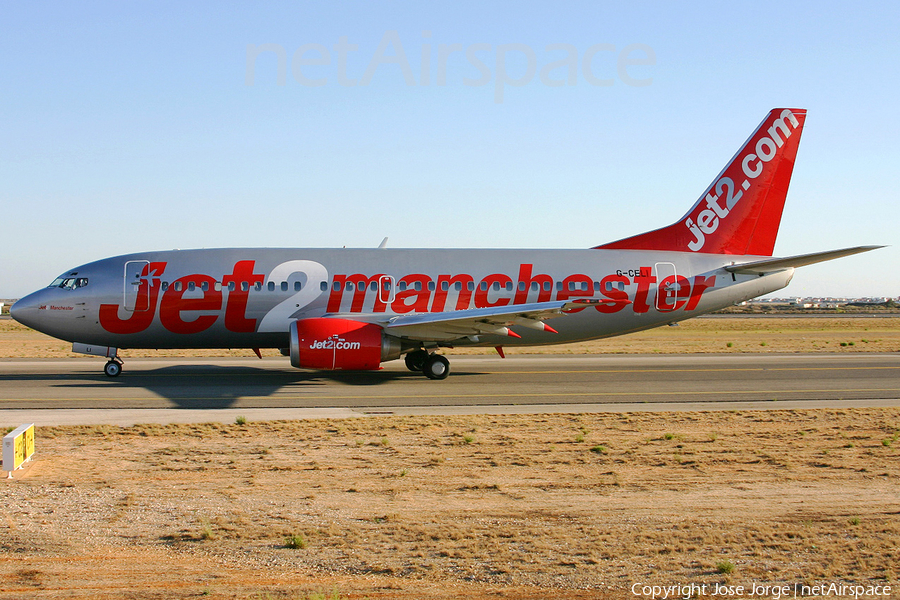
(191, 390)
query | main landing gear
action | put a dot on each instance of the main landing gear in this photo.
(434, 366)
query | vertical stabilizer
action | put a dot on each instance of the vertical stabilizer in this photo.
(739, 213)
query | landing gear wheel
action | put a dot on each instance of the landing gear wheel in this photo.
(415, 360)
(436, 367)
(112, 368)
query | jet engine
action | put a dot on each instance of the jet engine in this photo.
(334, 344)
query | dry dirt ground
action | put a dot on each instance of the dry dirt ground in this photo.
(553, 506)
(533, 507)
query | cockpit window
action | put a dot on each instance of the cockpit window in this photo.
(69, 283)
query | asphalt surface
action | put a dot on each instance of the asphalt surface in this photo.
(73, 391)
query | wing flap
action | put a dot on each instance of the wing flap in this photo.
(496, 320)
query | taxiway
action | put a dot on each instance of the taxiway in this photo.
(192, 390)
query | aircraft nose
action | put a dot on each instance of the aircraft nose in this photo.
(25, 310)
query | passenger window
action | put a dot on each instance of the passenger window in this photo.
(445, 286)
(179, 286)
(430, 286)
(165, 285)
(257, 286)
(284, 286)
(191, 286)
(546, 286)
(297, 286)
(204, 286)
(323, 286)
(245, 286)
(271, 286)
(217, 286)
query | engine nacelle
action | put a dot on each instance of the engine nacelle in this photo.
(332, 344)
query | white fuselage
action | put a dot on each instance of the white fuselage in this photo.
(247, 298)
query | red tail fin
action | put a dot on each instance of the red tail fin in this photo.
(741, 210)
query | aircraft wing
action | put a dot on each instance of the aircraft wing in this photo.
(497, 320)
(770, 265)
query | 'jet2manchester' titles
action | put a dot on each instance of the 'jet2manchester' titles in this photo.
(185, 308)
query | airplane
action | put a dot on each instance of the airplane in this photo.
(332, 309)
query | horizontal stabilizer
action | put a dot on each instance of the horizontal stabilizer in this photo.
(777, 264)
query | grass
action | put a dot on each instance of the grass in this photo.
(725, 567)
(241, 420)
(206, 530)
(295, 541)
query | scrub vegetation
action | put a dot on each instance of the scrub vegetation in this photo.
(288, 509)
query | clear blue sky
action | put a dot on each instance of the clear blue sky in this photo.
(131, 126)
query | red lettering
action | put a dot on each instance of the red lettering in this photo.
(481, 292)
(339, 282)
(243, 277)
(678, 297)
(463, 299)
(363, 285)
(148, 294)
(174, 303)
(643, 289)
(542, 281)
(575, 286)
(420, 297)
(617, 298)
(701, 284)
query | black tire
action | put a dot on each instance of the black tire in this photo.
(415, 360)
(112, 369)
(436, 367)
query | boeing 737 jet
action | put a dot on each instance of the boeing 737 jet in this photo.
(357, 308)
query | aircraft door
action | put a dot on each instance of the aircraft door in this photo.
(666, 287)
(134, 277)
(386, 289)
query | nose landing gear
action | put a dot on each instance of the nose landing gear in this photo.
(113, 367)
